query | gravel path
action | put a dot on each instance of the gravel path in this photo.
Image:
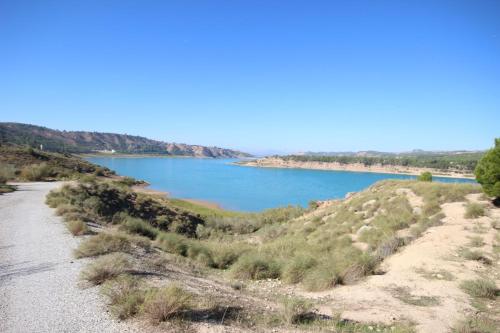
(39, 284)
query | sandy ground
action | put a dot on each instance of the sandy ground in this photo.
(271, 162)
(418, 273)
(39, 283)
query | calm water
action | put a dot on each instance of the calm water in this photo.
(243, 188)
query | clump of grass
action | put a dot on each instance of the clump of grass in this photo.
(475, 255)
(404, 295)
(476, 241)
(77, 227)
(125, 295)
(436, 275)
(255, 267)
(481, 288)
(321, 277)
(106, 267)
(474, 210)
(476, 324)
(7, 172)
(35, 172)
(296, 310)
(103, 243)
(139, 226)
(297, 268)
(161, 304)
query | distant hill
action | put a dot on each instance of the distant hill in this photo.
(373, 153)
(92, 142)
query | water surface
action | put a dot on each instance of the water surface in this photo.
(243, 188)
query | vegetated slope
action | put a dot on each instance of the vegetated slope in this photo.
(17, 163)
(89, 142)
(455, 161)
(282, 263)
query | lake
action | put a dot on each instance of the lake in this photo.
(243, 188)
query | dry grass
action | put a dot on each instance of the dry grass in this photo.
(161, 304)
(103, 243)
(295, 310)
(77, 227)
(106, 267)
(474, 210)
(125, 295)
(481, 288)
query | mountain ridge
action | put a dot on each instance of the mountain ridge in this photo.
(95, 142)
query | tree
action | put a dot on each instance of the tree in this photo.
(425, 177)
(488, 172)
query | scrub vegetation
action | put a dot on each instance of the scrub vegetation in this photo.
(312, 249)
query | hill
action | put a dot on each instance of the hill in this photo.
(92, 142)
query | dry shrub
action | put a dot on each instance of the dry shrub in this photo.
(106, 267)
(125, 296)
(474, 210)
(77, 227)
(161, 304)
(480, 288)
(36, 172)
(103, 243)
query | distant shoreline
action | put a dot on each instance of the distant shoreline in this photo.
(272, 162)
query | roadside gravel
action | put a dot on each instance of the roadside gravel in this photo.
(40, 289)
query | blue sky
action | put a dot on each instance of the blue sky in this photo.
(260, 76)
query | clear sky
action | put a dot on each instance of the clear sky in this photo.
(260, 76)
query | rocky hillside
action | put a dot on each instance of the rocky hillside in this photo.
(90, 142)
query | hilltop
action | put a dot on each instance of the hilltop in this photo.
(94, 142)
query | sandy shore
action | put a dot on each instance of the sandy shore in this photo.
(273, 162)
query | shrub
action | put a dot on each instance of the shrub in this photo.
(103, 243)
(106, 267)
(322, 277)
(295, 310)
(77, 227)
(488, 171)
(139, 226)
(425, 177)
(297, 268)
(124, 295)
(7, 172)
(474, 210)
(172, 243)
(161, 304)
(476, 324)
(36, 172)
(256, 267)
(476, 241)
(480, 288)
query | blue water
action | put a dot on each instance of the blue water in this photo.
(243, 188)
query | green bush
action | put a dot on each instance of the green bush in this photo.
(425, 177)
(172, 243)
(488, 171)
